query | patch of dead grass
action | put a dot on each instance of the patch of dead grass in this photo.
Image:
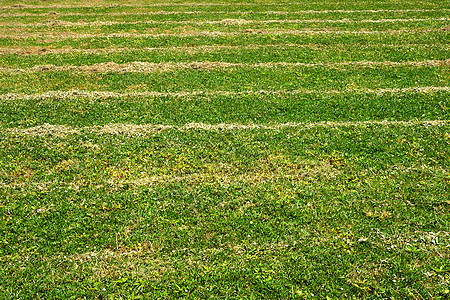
(266, 170)
(131, 129)
(144, 129)
(146, 67)
(45, 131)
(49, 36)
(66, 165)
(76, 94)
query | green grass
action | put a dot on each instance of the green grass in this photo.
(231, 79)
(246, 109)
(241, 38)
(331, 184)
(174, 28)
(239, 54)
(196, 14)
(90, 7)
(331, 212)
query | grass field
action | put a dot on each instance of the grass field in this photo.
(226, 150)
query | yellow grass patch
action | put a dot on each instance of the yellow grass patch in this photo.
(77, 94)
(226, 22)
(146, 67)
(142, 129)
(45, 130)
(56, 36)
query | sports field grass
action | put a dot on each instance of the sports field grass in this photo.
(225, 150)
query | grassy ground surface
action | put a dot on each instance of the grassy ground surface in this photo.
(238, 150)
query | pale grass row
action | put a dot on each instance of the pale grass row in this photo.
(270, 12)
(144, 129)
(227, 176)
(119, 257)
(187, 49)
(219, 173)
(184, 49)
(162, 4)
(58, 36)
(79, 94)
(53, 23)
(113, 260)
(148, 67)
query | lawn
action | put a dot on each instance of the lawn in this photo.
(225, 150)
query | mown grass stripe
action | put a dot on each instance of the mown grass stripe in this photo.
(76, 94)
(57, 23)
(257, 16)
(244, 37)
(42, 51)
(138, 129)
(216, 109)
(291, 12)
(69, 35)
(25, 6)
(146, 67)
(191, 4)
(224, 26)
(230, 79)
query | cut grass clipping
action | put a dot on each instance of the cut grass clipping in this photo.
(233, 150)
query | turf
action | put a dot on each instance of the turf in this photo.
(215, 109)
(306, 53)
(193, 179)
(235, 39)
(232, 79)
